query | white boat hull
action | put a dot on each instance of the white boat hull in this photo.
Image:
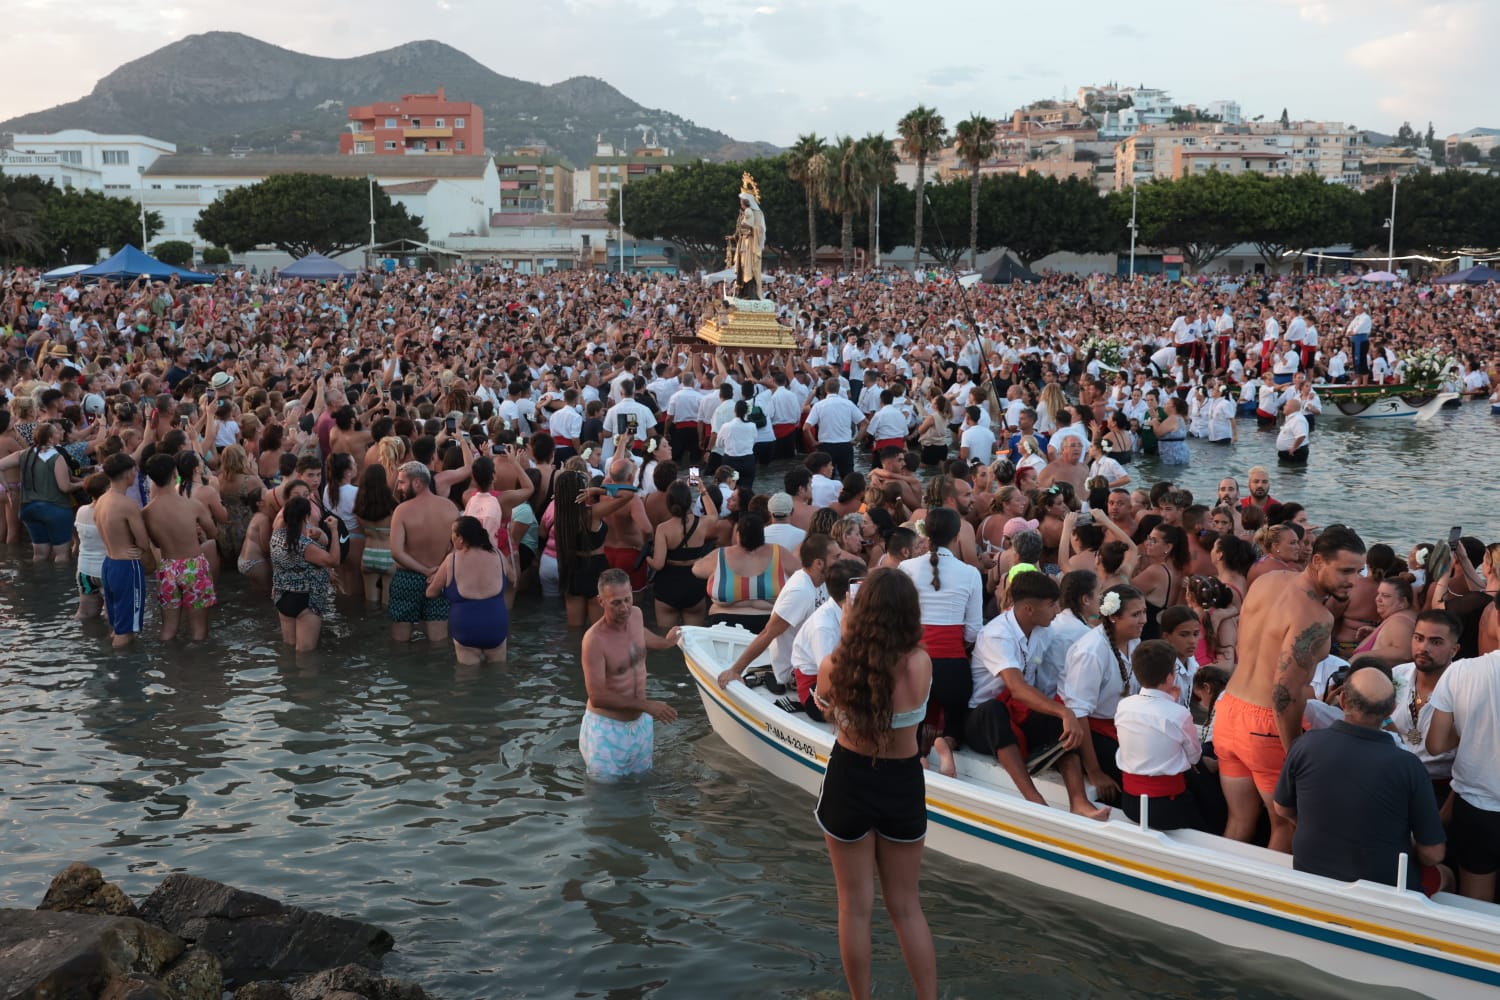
(1234, 894)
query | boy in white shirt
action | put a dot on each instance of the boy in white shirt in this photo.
(1158, 743)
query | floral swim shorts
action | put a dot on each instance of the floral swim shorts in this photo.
(185, 583)
(615, 749)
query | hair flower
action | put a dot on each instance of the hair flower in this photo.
(1110, 606)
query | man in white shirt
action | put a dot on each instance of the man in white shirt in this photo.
(836, 421)
(781, 531)
(823, 488)
(682, 419)
(819, 635)
(785, 413)
(1466, 717)
(565, 425)
(628, 424)
(800, 597)
(888, 425)
(1004, 666)
(1359, 340)
(977, 443)
(869, 395)
(1291, 441)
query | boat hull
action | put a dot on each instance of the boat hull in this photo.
(1233, 894)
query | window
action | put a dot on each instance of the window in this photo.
(390, 144)
(117, 187)
(440, 144)
(390, 123)
(416, 123)
(438, 123)
(73, 156)
(459, 145)
(458, 123)
(116, 157)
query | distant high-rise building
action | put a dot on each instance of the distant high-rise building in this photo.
(418, 124)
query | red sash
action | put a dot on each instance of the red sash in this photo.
(1019, 713)
(561, 441)
(686, 425)
(1104, 727)
(1154, 786)
(783, 430)
(944, 642)
(890, 443)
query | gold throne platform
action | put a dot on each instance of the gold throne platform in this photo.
(748, 325)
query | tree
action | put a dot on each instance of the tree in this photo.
(77, 223)
(216, 256)
(22, 206)
(923, 133)
(975, 138)
(1466, 152)
(178, 253)
(1405, 136)
(1201, 214)
(799, 168)
(878, 159)
(1495, 155)
(305, 213)
(1286, 119)
(841, 189)
(1034, 215)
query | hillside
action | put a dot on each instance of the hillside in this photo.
(224, 89)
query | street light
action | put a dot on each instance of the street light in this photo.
(1133, 229)
(371, 255)
(1390, 224)
(141, 172)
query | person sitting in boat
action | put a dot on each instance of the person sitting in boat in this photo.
(1159, 745)
(1097, 676)
(1359, 801)
(800, 597)
(1011, 716)
(819, 635)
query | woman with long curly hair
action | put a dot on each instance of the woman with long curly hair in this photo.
(874, 689)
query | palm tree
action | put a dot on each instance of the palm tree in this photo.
(878, 160)
(923, 133)
(975, 139)
(20, 224)
(841, 189)
(801, 166)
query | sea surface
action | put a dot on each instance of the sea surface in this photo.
(451, 806)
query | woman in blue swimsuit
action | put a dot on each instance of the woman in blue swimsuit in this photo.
(473, 580)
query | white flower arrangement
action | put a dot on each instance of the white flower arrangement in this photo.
(1108, 350)
(1110, 606)
(1426, 364)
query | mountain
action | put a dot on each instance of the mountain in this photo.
(223, 89)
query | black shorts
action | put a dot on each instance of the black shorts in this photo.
(292, 603)
(1474, 838)
(884, 794)
(987, 729)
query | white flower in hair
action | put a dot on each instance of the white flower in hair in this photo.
(1110, 606)
(1422, 554)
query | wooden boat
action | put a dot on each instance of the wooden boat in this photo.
(1378, 401)
(1235, 894)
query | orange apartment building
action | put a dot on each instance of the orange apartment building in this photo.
(418, 124)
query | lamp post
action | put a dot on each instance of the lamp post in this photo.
(877, 227)
(1390, 223)
(141, 172)
(371, 255)
(1133, 229)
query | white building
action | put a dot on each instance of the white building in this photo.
(454, 195)
(1149, 106)
(1227, 112)
(83, 160)
(536, 242)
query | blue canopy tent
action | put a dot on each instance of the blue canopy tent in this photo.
(1479, 274)
(131, 263)
(316, 267)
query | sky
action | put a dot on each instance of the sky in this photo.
(774, 69)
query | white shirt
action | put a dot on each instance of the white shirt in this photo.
(683, 408)
(1470, 689)
(1338, 365)
(817, 638)
(628, 421)
(960, 601)
(787, 535)
(785, 408)
(736, 439)
(980, 441)
(835, 419)
(1404, 677)
(1221, 413)
(798, 599)
(1003, 646)
(1292, 428)
(888, 422)
(1157, 735)
(1108, 468)
(1091, 684)
(825, 491)
(565, 422)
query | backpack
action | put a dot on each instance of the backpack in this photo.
(756, 416)
(487, 511)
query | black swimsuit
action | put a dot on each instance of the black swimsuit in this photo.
(676, 586)
(584, 580)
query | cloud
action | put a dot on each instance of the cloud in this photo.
(1427, 67)
(952, 76)
(1124, 30)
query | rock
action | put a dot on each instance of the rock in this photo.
(256, 937)
(262, 990)
(79, 888)
(194, 976)
(351, 982)
(61, 956)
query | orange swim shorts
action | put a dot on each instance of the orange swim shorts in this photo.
(1247, 742)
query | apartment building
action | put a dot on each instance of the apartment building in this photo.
(612, 167)
(418, 124)
(535, 180)
(1331, 150)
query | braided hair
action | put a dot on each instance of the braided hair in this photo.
(942, 526)
(1126, 594)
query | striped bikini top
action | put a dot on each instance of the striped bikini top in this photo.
(731, 588)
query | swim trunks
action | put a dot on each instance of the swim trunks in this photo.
(376, 560)
(89, 584)
(628, 560)
(185, 583)
(1247, 742)
(615, 749)
(124, 594)
(409, 600)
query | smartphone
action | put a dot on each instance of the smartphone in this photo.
(452, 425)
(1084, 517)
(1454, 534)
(693, 474)
(853, 589)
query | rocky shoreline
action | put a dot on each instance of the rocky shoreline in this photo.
(191, 939)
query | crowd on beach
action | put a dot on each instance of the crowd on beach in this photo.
(926, 513)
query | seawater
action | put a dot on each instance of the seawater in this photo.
(450, 805)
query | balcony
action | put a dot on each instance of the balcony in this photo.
(428, 133)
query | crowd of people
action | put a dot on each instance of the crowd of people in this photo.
(431, 444)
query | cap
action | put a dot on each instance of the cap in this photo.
(1016, 525)
(780, 505)
(93, 404)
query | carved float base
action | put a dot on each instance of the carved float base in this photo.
(748, 326)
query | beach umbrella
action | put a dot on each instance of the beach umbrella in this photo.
(1381, 277)
(1349, 279)
(1478, 274)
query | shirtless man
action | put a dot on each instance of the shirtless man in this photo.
(892, 469)
(177, 526)
(629, 527)
(1067, 467)
(421, 535)
(127, 550)
(1285, 632)
(619, 722)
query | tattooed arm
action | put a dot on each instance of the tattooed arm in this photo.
(1305, 648)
